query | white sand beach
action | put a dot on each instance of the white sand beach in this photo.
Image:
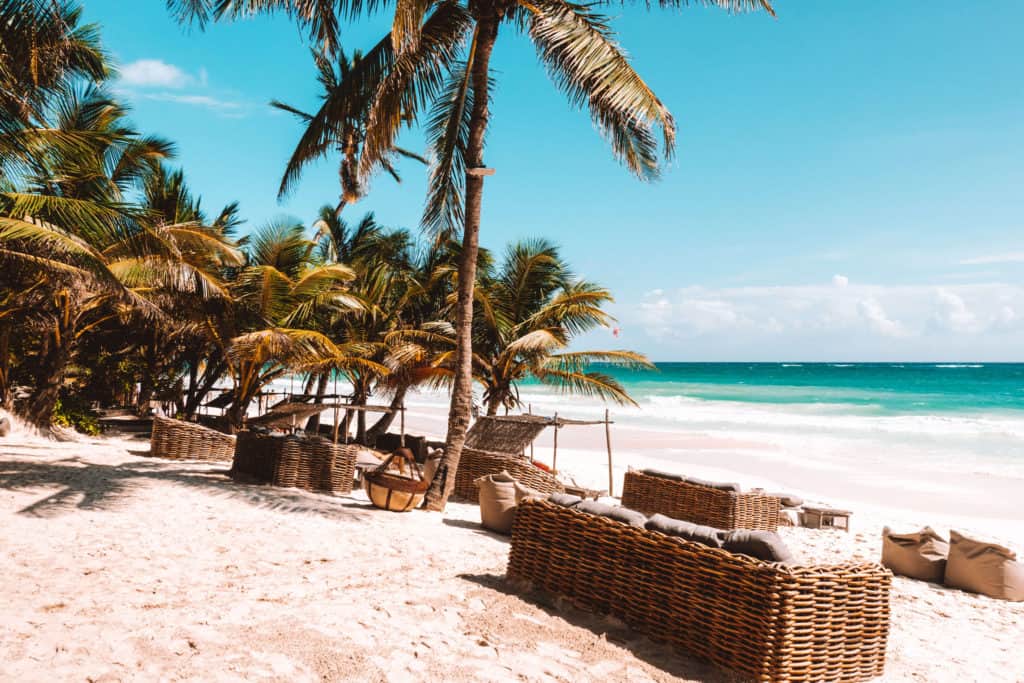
(118, 566)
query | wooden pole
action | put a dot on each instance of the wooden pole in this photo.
(401, 421)
(554, 453)
(529, 411)
(335, 420)
(608, 443)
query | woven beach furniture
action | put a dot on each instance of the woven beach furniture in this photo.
(700, 504)
(476, 463)
(311, 463)
(395, 491)
(769, 622)
(188, 441)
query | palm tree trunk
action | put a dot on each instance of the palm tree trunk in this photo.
(381, 426)
(49, 377)
(462, 389)
(6, 398)
(313, 423)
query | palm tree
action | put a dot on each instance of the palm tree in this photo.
(440, 53)
(280, 293)
(339, 123)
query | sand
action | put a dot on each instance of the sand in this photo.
(117, 566)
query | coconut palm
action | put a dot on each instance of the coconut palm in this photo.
(339, 124)
(441, 53)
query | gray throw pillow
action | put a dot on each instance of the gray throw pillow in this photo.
(564, 499)
(616, 512)
(727, 486)
(698, 533)
(761, 545)
(663, 475)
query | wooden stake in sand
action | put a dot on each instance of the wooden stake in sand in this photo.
(401, 420)
(608, 443)
(554, 452)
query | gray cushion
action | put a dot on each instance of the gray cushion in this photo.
(564, 499)
(616, 512)
(788, 500)
(761, 545)
(663, 475)
(727, 486)
(689, 531)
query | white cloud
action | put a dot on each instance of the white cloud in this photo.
(840, 280)
(1010, 257)
(829, 321)
(224, 107)
(155, 73)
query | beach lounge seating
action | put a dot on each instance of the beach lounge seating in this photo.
(693, 500)
(767, 621)
(188, 441)
(311, 463)
(476, 463)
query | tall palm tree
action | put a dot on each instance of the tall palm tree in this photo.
(339, 124)
(441, 52)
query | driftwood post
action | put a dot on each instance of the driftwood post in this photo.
(401, 422)
(608, 443)
(529, 411)
(554, 453)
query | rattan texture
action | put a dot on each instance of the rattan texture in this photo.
(476, 463)
(767, 621)
(310, 463)
(188, 441)
(700, 504)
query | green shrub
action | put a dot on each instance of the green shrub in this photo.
(75, 413)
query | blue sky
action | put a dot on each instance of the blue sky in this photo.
(847, 183)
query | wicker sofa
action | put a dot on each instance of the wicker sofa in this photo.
(188, 441)
(771, 622)
(310, 463)
(476, 463)
(700, 504)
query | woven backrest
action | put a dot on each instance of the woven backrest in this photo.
(310, 463)
(188, 441)
(476, 463)
(766, 621)
(700, 504)
(504, 435)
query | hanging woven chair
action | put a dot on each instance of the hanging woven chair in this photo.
(393, 491)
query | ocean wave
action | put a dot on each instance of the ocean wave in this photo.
(958, 365)
(792, 365)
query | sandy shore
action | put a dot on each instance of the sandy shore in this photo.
(121, 567)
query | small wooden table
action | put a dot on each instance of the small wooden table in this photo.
(826, 518)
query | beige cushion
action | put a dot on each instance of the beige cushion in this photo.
(985, 568)
(920, 555)
(524, 492)
(497, 501)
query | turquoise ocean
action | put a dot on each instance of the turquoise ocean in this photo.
(966, 417)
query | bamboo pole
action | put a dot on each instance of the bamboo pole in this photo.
(336, 421)
(608, 443)
(554, 453)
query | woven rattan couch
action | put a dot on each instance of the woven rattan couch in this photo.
(188, 441)
(771, 622)
(310, 463)
(700, 504)
(476, 463)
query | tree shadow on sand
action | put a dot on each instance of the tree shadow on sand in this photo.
(84, 485)
(660, 655)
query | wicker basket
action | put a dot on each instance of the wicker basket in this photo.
(700, 504)
(476, 463)
(310, 463)
(188, 441)
(390, 490)
(766, 621)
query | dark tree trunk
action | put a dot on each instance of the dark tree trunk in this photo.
(313, 423)
(462, 388)
(493, 404)
(49, 377)
(6, 396)
(381, 426)
(214, 371)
